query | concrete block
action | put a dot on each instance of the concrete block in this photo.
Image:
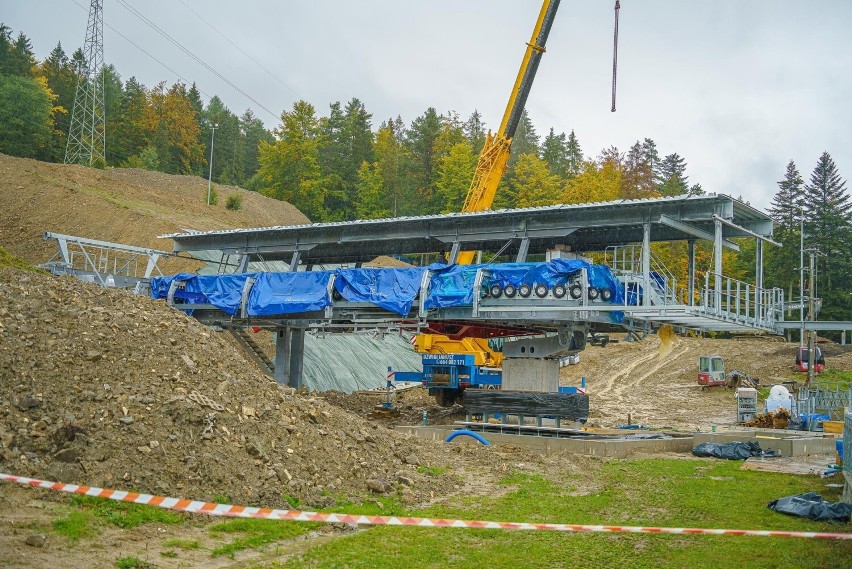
(527, 374)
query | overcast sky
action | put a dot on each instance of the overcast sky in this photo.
(736, 87)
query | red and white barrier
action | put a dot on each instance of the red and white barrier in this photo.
(228, 510)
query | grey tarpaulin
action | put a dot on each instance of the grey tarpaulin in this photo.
(732, 451)
(352, 362)
(813, 506)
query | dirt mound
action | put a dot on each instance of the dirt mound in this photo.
(104, 388)
(655, 382)
(123, 205)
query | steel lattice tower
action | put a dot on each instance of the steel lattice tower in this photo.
(87, 135)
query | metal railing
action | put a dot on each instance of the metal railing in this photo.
(737, 300)
(626, 262)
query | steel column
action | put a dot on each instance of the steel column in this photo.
(690, 247)
(646, 264)
(717, 263)
(758, 263)
(282, 356)
(297, 357)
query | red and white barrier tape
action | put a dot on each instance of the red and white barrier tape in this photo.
(228, 510)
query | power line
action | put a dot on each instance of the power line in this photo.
(259, 64)
(143, 50)
(180, 46)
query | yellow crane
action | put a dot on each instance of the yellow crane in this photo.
(489, 170)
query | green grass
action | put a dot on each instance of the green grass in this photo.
(10, 261)
(125, 514)
(182, 543)
(653, 492)
(255, 533)
(432, 470)
(133, 563)
(842, 377)
(75, 526)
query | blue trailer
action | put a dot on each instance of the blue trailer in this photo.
(447, 375)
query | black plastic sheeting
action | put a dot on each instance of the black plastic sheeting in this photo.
(573, 406)
(813, 506)
(732, 451)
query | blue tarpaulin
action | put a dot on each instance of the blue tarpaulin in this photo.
(289, 293)
(392, 289)
(452, 286)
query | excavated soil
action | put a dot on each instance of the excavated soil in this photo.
(656, 382)
(100, 387)
(121, 205)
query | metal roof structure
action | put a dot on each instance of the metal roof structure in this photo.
(517, 232)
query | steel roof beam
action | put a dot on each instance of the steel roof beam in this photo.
(695, 232)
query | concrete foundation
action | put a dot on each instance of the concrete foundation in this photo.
(787, 443)
(528, 374)
(607, 447)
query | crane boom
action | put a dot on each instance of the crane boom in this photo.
(489, 170)
(495, 154)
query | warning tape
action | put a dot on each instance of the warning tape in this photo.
(227, 510)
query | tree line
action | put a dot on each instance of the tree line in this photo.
(332, 166)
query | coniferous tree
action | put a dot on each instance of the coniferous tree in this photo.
(62, 80)
(638, 176)
(554, 152)
(575, 155)
(420, 142)
(828, 227)
(673, 173)
(474, 131)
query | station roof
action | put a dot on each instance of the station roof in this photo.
(582, 227)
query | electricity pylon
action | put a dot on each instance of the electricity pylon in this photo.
(87, 135)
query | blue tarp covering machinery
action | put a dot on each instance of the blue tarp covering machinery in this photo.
(393, 289)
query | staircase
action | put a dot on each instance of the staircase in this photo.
(626, 264)
(253, 350)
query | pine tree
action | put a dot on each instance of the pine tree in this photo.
(62, 80)
(575, 155)
(638, 175)
(455, 171)
(787, 202)
(420, 142)
(672, 171)
(474, 131)
(828, 227)
(554, 151)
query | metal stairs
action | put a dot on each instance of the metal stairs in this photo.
(253, 350)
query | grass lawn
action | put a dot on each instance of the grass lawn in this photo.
(653, 492)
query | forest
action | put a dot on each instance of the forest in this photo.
(337, 165)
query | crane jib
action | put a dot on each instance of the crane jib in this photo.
(532, 58)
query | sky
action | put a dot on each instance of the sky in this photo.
(736, 87)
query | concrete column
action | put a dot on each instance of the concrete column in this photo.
(297, 357)
(717, 265)
(646, 264)
(690, 247)
(282, 356)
